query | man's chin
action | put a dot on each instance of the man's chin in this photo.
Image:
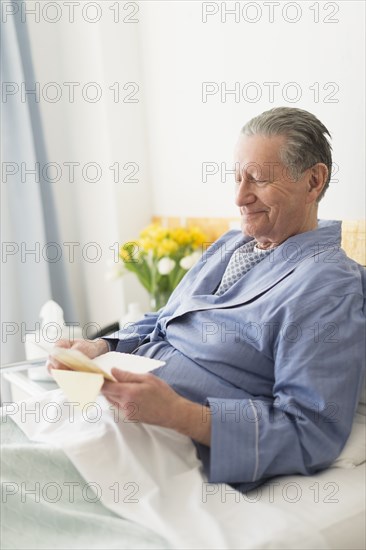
(248, 229)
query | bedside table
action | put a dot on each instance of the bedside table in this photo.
(18, 386)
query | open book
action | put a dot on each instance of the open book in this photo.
(83, 382)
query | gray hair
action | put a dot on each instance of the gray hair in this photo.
(306, 142)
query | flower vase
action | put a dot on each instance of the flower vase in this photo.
(158, 299)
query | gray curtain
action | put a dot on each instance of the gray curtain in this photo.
(29, 216)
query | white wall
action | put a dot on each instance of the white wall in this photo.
(181, 52)
(171, 131)
(103, 132)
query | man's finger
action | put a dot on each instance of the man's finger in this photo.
(117, 389)
(52, 363)
(49, 366)
(63, 343)
(127, 376)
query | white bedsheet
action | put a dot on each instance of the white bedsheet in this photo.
(174, 499)
(331, 503)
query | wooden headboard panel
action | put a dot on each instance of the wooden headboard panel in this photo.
(353, 231)
(354, 240)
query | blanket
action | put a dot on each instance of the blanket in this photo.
(107, 483)
(46, 503)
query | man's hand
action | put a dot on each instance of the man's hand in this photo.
(90, 348)
(147, 398)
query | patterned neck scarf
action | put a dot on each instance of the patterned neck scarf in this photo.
(243, 260)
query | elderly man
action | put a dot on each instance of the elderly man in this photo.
(264, 338)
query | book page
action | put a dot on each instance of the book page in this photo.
(83, 383)
(103, 364)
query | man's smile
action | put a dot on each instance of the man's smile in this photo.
(254, 213)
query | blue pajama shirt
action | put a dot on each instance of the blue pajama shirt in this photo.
(279, 358)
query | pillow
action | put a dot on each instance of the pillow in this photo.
(354, 451)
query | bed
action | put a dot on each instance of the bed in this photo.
(323, 511)
(326, 510)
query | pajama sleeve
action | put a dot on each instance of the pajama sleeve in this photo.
(129, 338)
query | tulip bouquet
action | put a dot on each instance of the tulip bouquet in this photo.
(161, 257)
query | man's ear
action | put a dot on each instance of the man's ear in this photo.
(318, 175)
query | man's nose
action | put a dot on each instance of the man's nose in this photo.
(244, 193)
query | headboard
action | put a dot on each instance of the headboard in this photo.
(353, 231)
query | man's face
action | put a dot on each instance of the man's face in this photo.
(272, 204)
